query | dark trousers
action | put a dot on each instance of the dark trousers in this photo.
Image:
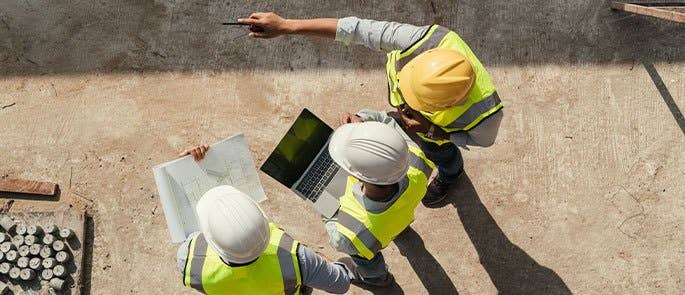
(374, 270)
(446, 157)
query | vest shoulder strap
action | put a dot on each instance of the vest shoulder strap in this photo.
(419, 160)
(193, 274)
(429, 41)
(287, 260)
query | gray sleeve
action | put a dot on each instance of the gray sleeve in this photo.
(371, 115)
(318, 273)
(182, 253)
(378, 35)
(383, 117)
(337, 240)
(482, 135)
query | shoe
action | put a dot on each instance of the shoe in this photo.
(349, 263)
(389, 280)
(437, 190)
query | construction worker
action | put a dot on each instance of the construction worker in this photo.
(389, 175)
(442, 90)
(237, 251)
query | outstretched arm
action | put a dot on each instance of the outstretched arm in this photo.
(379, 35)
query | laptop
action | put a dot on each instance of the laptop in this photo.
(301, 162)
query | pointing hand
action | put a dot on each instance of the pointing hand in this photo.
(266, 25)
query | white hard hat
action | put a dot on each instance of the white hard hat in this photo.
(371, 151)
(233, 224)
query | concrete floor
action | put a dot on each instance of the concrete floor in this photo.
(582, 191)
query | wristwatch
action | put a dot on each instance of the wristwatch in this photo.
(431, 129)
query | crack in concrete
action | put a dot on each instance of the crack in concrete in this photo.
(29, 60)
(7, 26)
(8, 105)
(629, 218)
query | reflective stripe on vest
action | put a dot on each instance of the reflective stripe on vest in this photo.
(371, 245)
(419, 161)
(433, 41)
(371, 232)
(276, 271)
(285, 261)
(196, 263)
(476, 110)
(482, 101)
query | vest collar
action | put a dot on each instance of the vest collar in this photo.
(238, 264)
(376, 206)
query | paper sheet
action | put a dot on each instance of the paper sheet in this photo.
(183, 181)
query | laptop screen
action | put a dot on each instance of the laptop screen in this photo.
(303, 141)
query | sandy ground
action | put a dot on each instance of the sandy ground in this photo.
(582, 191)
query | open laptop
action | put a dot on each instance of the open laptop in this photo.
(301, 162)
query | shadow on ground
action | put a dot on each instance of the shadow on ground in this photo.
(511, 269)
(432, 275)
(73, 36)
(393, 289)
(88, 236)
(32, 197)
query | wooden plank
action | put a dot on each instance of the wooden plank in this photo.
(74, 220)
(659, 3)
(24, 186)
(676, 9)
(666, 14)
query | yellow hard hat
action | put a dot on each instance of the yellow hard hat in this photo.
(437, 79)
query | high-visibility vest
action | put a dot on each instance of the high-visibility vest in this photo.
(370, 232)
(276, 271)
(481, 102)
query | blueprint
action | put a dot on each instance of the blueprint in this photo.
(183, 181)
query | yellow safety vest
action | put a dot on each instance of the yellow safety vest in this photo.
(276, 271)
(370, 232)
(481, 102)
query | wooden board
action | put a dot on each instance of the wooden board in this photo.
(28, 187)
(74, 220)
(665, 10)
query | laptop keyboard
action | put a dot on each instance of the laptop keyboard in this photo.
(318, 176)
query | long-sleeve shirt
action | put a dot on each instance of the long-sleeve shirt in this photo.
(389, 36)
(316, 272)
(338, 240)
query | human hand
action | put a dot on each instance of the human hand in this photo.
(198, 152)
(266, 25)
(350, 118)
(412, 120)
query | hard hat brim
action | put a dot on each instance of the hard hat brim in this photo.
(338, 140)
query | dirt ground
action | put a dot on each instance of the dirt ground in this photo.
(582, 192)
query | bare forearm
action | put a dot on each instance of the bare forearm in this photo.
(319, 27)
(269, 25)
